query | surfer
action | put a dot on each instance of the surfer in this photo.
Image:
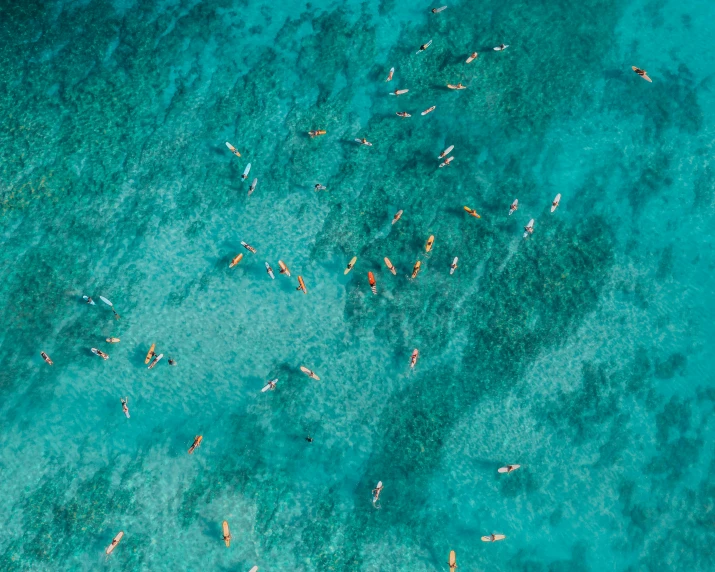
(125, 407)
(363, 141)
(172, 361)
(642, 73)
(438, 10)
(317, 132)
(453, 266)
(248, 247)
(46, 358)
(423, 47)
(272, 384)
(447, 151)
(403, 114)
(376, 492)
(447, 161)
(413, 358)
(514, 206)
(389, 76)
(472, 212)
(529, 228)
(399, 91)
(233, 149)
(397, 216)
(89, 300)
(196, 443)
(416, 269)
(319, 187)
(284, 268)
(301, 285)
(458, 86)
(309, 439)
(501, 47)
(116, 316)
(472, 57)
(509, 468)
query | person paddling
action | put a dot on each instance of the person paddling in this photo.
(125, 407)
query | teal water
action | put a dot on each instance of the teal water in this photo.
(581, 354)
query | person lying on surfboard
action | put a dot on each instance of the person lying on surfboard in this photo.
(319, 187)
(376, 492)
(403, 114)
(125, 407)
(438, 10)
(89, 300)
(642, 73)
(363, 141)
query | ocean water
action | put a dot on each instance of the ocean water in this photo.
(582, 353)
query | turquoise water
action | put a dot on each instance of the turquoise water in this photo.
(582, 353)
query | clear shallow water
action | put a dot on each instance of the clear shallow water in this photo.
(582, 353)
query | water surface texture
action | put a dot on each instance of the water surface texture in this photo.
(582, 353)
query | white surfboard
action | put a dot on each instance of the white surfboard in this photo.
(438, 10)
(378, 490)
(446, 152)
(514, 206)
(254, 569)
(107, 302)
(156, 361)
(252, 187)
(529, 227)
(399, 91)
(555, 203)
(493, 537)
(508, 468)
(473, 56)
(246, 171)
(454, 265)
(270, 385)
(97, 352)
(86, 299)
(424, 47)
(270, 271)
(500, 48)
(389, 76)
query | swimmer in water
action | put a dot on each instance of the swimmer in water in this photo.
(309, 439)
(172, 361)
(125, 407)
(319, 187)
(364, 141)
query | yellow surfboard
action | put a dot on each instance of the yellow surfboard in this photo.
(350, 264)
(149, 354)
(452, 560)
(226, 534)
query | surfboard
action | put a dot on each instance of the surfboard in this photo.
(454, 265)
(371, 280)
(446, 152)
(309, 373)
(397, 216)
(490, 539)
(156, 361)
(389, 76)
(268, 385)
(555, 203)
(284, 268)
(113, 340)
(46, 358)
(252, 187)
(317, 132)
(350, 265)
(248, 247)
(399, 92)
(413, 358)
(430, 110)
(114, 543)
(232, 149)
(403, 114)
(514, 206)
(390, 267)
(423, 47)
(196, 443)
(100, 353)
(377, 491)
(246, 171)
(254, 569)
(226, 533)
(366, 143)
(107, 302)
(507, 470)
(301, 285)
(452, 560)
(270, 271)
(236, 260)
(438, 10)
(529, 228)
(90, 302)
(149, 354)
(472, 212)
(429, 243)
(500, 48)
(458, 86)
(416, 269)
(645, 74)
(472, 57)
(447, 161)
